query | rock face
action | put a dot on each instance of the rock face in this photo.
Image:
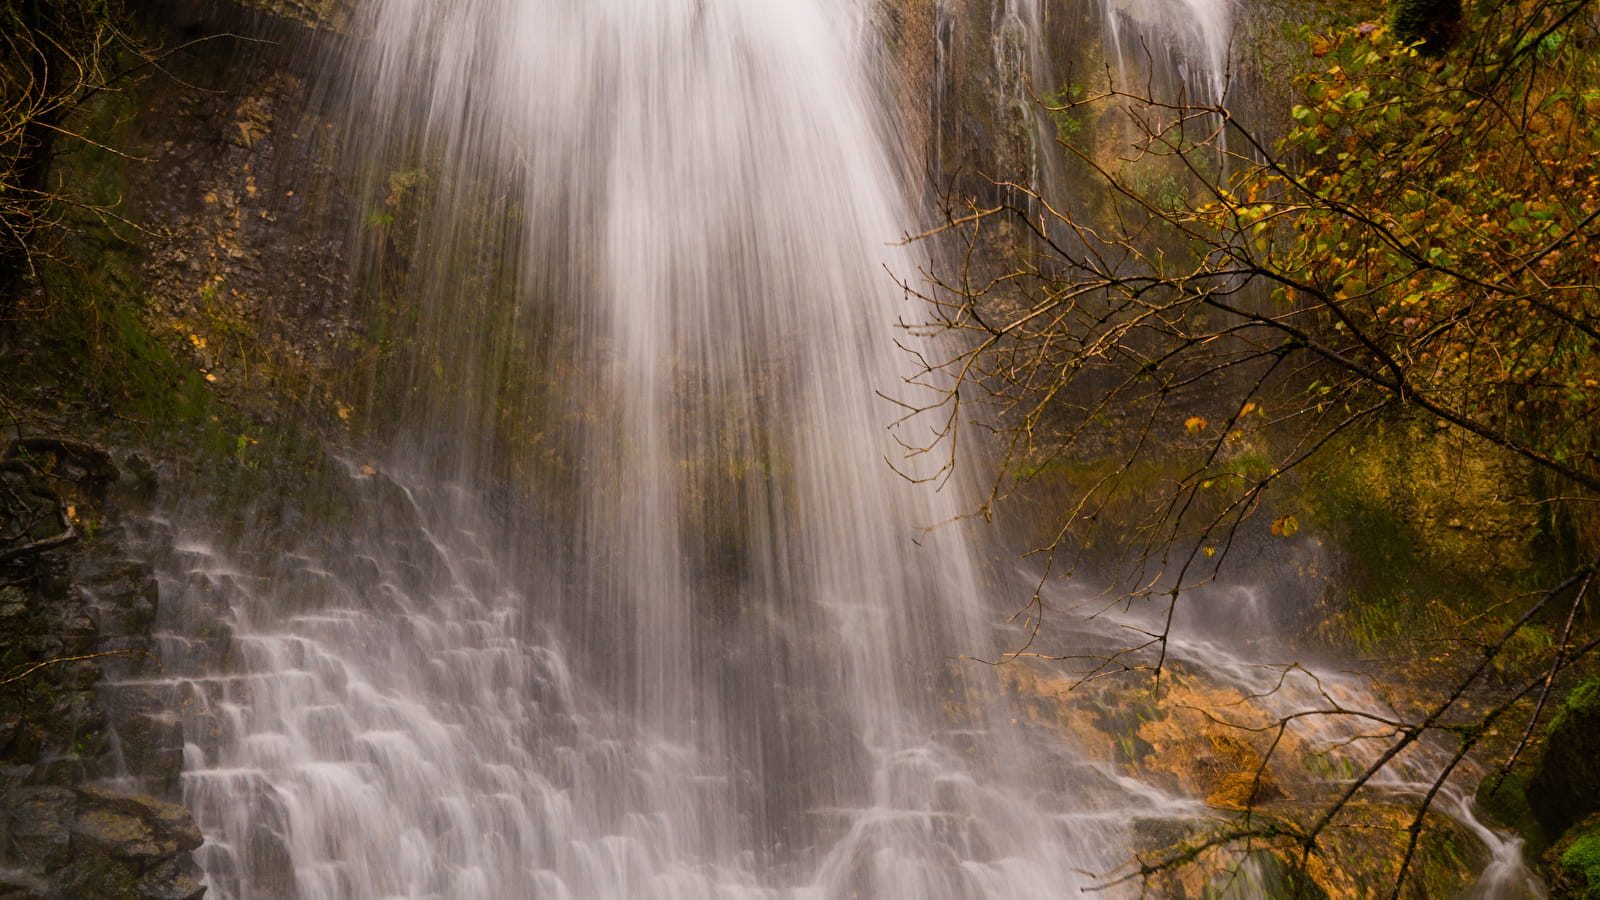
(243, 270)
(235, 283)
(93, 842)
(69, 604)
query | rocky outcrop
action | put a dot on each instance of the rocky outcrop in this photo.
(70, 604)
(92, 842)
(1205, 738)
(208, 317)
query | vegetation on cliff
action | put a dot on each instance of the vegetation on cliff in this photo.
(1408, 268)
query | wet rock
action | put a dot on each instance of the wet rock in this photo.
(61, 837)
(134, 826)
(83, 467)
(167, 881)
(151, 743)
(102, 831)
(1356, 856)
(268, 859)
(93, 842)
(60, 771)
(33, 518)
(1228, 772)
(36, 822)
(21, 886)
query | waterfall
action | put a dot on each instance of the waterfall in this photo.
(635, 604)
(640, 598)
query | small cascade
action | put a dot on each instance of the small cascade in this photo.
(396, 728)
(1021, 80)
(385, 717)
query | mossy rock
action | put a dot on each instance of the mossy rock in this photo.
(1506, 801)
(1565, 785)
(1430, 529)
(1573, 864)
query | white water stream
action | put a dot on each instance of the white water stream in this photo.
(723, 666)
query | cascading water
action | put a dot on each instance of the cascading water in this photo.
(701, 645)
(736, 679)
(1179, 46)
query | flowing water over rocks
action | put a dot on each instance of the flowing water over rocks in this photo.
(634, 606)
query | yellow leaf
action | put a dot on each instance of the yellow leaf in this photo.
(344, 412)
(1285, 526)
(198, 341)
(1195, 424)
(1211, 551)
(1247, 410)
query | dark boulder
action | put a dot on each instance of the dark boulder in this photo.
(1565, 785)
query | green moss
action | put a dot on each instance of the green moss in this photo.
(1583, 857)
(92, 347)
(1278, 875)
(1582, 703)
(96, 349)
(1390, 579)
(1572, 866)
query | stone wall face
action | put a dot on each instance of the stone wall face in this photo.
(239, 273)
(72, 604)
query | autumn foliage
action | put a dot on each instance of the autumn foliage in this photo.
(1433, 223)
(1420, 239)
